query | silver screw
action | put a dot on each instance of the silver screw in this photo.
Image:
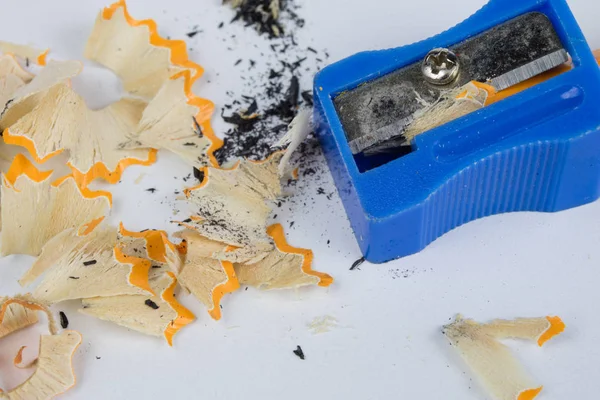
(440, 67)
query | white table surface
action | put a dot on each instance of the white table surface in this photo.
(387, 343)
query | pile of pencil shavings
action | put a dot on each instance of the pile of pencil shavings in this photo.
(128, 278)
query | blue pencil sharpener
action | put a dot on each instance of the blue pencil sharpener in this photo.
(499, 114)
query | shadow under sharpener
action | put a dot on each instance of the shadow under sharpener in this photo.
(538, 150)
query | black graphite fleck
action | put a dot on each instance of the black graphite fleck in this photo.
(151, 304)
(64, 321)
(88, 263)
(199, 174)
(299, 352)
(357, 263)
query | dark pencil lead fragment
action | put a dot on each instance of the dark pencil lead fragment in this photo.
(64, 321)
(199, 174)
(197, 128)
(151, 304)
(299, 352)
(357, 263)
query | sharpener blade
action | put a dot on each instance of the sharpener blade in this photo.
(375, 114)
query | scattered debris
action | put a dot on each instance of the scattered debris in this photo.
(129, 278)
(275, 95)
(402, 273)
(139, 178)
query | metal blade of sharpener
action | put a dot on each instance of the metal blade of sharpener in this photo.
(530, 70)
(376, 114)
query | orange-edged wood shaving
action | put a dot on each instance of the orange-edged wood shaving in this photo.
(61, 118)
(34, 209)
(154, 242)
(10, 66)
(140, 268)
(229, 286)
(170, 56)
(146, 62)
(54, 373)
(15, 316)
(18, 360)
(530, 394)
(491, 361)
(100, 171)
(234, 204)
(153, 245)
(27, 98)
(22, 166)
(25, 52)
(78, 266)
(206, 278)
(557, 326)
(159, 315)
(278, 235)
(178, 121)
(285, 267)
(184, 316)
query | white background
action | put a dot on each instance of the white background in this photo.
(387, 342)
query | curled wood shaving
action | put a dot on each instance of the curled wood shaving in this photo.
(54, 374)
(136, 52)
(233, 205)
(491, 361)
(178, 121)
(159, 315)
(206, 278)
(26, 52)
(61, 119)
(283, 268)
(34, 209)
(80, 266)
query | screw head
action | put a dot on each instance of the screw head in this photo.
(440, 67)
